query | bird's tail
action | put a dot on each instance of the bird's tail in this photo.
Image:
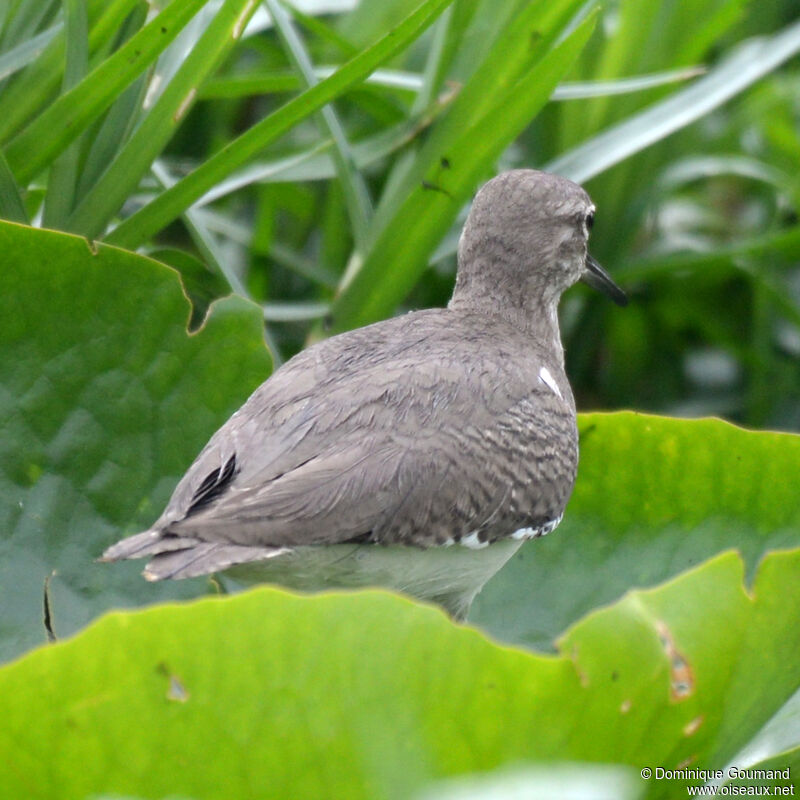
(174, 556)
(148, 543)
(206, 558)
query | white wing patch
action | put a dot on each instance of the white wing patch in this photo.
(473, 542)
(533, 533)
(547, 379)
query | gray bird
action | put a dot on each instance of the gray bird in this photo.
(417, 453)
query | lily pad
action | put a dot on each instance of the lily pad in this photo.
(369, 695)
(105, 399)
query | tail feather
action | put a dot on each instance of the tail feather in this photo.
(147, 543)
(204, 558)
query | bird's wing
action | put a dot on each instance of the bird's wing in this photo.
(330, 451)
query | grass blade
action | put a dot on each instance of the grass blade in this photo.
(11, 206)
(286, 81)
(27, 51)
(40, 83)
(64, 120)
(316, 163)
(525, 39)
(583, 90)
(695, 168)
(747, 64)
(435, 63)
(356, 196)
(170, 61)
(294, 312)
(202, 237)
(243, 235)
(307, 267)
(783, 243)
(64, 172)
(119, 121)
(413, 82)
(167, 206)
(134, 160)
(26, 19)
(322, 31)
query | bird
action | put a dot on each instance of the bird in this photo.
(415, 454)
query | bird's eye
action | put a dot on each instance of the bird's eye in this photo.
(589, 220)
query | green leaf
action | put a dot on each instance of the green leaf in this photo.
(654, 497)
(369, 695)
(66, 118)
(105, 400)
(167, 206)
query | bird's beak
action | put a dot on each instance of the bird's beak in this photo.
(599, 279)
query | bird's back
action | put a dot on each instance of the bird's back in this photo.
(424, 430)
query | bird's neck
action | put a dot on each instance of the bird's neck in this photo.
(535, 316)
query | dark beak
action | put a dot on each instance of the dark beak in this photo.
(599, 279)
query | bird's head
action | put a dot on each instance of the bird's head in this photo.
(526, 238)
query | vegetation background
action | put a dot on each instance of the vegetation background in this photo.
(301, 169)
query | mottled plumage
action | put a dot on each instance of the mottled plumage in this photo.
(410, 452)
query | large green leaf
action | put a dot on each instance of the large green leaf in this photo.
(654, 497)
(273, 695)
(104, 400)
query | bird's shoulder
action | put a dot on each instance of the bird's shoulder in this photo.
(433, 357)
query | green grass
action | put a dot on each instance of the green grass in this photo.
(269, 159)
